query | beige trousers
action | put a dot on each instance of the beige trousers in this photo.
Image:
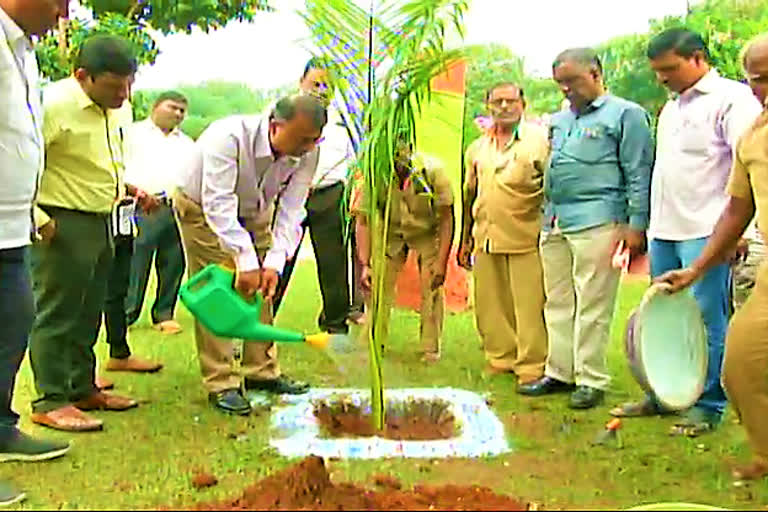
(216, 354)
(745, 366)
(509, 311)
(432, 301)
(581, 287)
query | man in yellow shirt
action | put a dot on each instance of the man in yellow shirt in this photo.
(418, 222)
(745, 366)
(77, 217)
(504, 191)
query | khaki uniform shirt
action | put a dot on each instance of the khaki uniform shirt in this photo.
(749, 175)
(84, 164)
(507, 209)
(413, 214)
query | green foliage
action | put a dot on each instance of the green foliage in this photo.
(133, 20)
(55, 66)
(726, 26)
(208, 102)
(181, 15)
(407, 37)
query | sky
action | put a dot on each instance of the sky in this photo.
(271, 51)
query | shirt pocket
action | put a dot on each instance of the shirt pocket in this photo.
(696, 135)
(419, 206)
(592, 144)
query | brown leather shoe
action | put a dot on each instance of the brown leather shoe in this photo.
(104, 384)
(106, 402)
(133, 364)
(68, 418)
(168, 327)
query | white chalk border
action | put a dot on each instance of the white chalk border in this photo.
(296, 432)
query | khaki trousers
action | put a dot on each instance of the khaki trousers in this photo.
(745, 366)
(216, 354)
(509, 311)
(432, 301)
(581, 287)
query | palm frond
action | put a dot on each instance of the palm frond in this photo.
(382, 62)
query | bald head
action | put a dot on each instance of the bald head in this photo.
(755, 61)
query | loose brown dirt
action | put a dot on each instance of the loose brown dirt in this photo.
(203, 480)
(307, 486)
(417, 421)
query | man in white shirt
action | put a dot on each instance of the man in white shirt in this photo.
(325, 217)
(242, 168)
(21, 162)
(697, 132)
(156, 147)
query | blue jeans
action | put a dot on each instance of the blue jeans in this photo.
(712, 292)
(17, 312)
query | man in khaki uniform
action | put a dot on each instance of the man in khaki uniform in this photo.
(745, 367)
(504, 190)
(244, 168)
(418, 222)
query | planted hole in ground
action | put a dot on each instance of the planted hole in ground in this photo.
(412, 420)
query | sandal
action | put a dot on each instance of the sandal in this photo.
(695, 424)
(68, 419)
(642, 409)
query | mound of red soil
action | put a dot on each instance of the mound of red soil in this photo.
(417, 423)
(307, 486)
(456, 285)
(203, 480)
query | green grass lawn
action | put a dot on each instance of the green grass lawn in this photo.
(145, 457)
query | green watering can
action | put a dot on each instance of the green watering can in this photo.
(213, 301)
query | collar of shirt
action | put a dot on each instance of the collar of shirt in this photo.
(82, 100)
(594, 105)
(706, 85)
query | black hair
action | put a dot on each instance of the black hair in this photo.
(313, 63)
(105, 53)
(172, 96)
(584, 56)
(499, 85)
(286, 109)
(683, 42)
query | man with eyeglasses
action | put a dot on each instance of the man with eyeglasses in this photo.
(501, 221)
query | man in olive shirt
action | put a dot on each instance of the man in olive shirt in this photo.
(597, 194)
(417, 221)
(504, 191)
(81, 186)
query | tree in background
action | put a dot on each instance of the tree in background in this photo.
(210, 101)
(726, 25)
(136, 20)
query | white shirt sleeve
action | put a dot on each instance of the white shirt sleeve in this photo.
(290, 214)
(219, 201)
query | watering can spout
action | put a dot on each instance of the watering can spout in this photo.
(212, 300)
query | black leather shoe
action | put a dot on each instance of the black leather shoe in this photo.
(230, 401)
(586, 398)
(544, 386)
(280, 386)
